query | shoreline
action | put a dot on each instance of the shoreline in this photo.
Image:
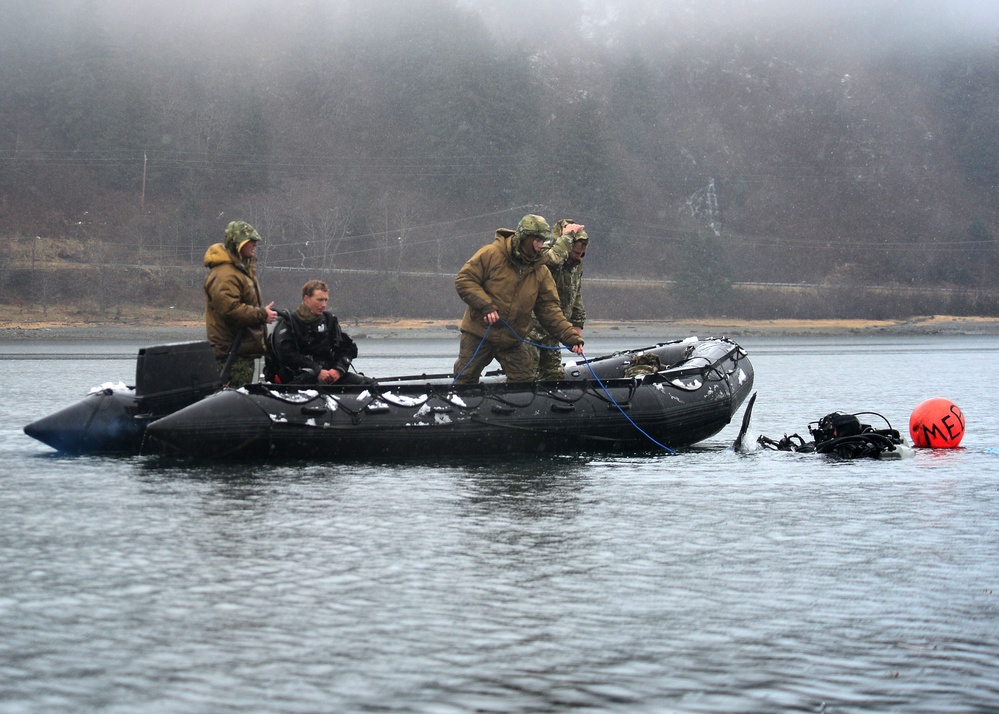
(389, 328)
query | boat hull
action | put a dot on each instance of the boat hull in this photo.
(104, 422)
(176, 408)
(112, 418)
(663, 411)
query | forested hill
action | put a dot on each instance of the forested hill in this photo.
(399, 135)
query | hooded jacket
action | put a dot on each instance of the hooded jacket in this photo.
(499, 277)
(233, 304)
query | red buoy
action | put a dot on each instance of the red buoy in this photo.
(937, 423)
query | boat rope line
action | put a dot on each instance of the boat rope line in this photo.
(472, 358)
(515, 334)
(595, 377)
(704, 371)
(625, 414)
(566, 399)
(535, 430)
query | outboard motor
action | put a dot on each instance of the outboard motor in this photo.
(169, 377)
(113, 419)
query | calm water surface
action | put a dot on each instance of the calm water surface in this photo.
(706, 582)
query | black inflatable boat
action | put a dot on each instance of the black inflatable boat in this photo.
(699, 385)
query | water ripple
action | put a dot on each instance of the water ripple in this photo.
(708, 582)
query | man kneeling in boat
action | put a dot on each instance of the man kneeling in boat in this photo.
(308, 346)
(506, 282)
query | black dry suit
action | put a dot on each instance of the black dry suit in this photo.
(300, 349)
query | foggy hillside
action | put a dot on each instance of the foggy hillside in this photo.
(848, 143)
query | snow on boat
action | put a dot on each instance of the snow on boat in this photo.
(595, 408)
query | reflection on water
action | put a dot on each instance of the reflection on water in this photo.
(706, 582)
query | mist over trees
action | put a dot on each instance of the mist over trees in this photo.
(699, 147)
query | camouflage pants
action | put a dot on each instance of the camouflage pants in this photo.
(547, 364)
(241, 372)
(515, 360)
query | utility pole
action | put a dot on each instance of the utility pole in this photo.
(142, 204)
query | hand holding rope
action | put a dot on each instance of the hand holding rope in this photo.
(496, 318)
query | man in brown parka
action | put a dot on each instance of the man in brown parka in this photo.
(504, 285)
(233, 306)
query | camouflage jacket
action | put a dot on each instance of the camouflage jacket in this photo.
(568, 279)
(569, 283)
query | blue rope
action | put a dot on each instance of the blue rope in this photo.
(534, 344)
(623, 413)
(563, 347)
(472, 359)
(483, 341)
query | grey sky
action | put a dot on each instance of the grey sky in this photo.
(870, 21)
(866, 21)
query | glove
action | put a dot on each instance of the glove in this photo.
(559, 249)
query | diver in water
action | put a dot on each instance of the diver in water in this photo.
(843, 436)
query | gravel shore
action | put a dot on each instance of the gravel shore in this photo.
(447, 329)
